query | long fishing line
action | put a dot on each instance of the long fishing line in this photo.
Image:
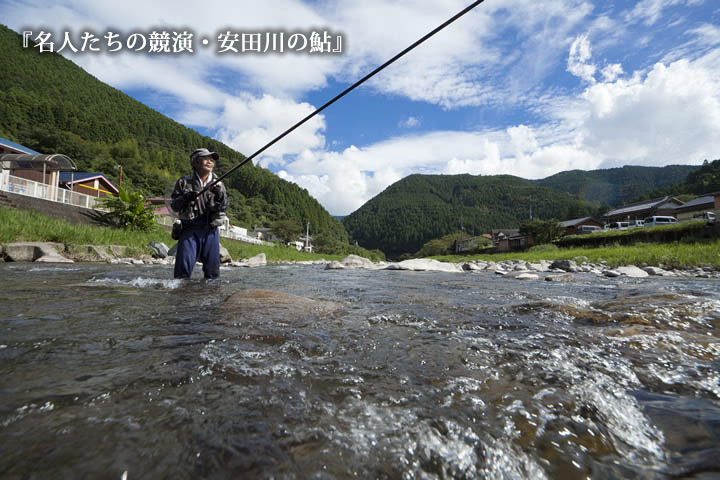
(345, 92)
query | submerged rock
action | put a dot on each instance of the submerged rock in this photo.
(560, 277)
(277, 305)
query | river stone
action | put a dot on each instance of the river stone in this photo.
(355, 261)
(258, 260)
(427, 265)
(632, 271)
(335, 266)
(611, 273)
(160, 250)
(225, 255)
(32, 251)
(655, 271)
(560, 277)
(258, 303)
(565, 265)
(527, 276)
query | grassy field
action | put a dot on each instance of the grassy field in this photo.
(678, 254)
(28, 226)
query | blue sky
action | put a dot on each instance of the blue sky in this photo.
(515, 87)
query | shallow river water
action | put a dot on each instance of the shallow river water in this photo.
(120, 372)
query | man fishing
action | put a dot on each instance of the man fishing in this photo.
(200, 201)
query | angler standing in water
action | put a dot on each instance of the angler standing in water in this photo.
(201, 206)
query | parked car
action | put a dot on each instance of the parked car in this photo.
(618, 226)
(707, 216)
(636, 223)
(588, 229)
(659, 220)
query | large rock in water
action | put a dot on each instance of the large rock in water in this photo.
(425, 265)
(258, 303)
(355, 261)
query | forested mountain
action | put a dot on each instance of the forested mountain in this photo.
(616, 186)
(701, 181)
(420, 208)
(53, 106)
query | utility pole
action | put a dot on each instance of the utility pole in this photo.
(307, 236)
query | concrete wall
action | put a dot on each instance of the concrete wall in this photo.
(71, 213)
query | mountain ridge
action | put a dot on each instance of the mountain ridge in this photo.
(420, 208)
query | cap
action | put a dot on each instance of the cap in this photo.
(203, 152)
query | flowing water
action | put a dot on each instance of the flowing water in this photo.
(121, 372)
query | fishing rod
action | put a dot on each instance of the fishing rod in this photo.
(343, 93)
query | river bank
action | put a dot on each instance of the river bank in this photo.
(542, 269)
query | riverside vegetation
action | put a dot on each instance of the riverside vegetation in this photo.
(28, 226)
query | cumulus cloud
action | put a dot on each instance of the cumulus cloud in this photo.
(248, 123)
(580, 54)
(667, 115)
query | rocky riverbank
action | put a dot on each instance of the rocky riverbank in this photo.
(558, 270)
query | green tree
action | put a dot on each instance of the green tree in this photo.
(287, 230)
(128, 211)
(542, 231)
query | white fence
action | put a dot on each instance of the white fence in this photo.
(22, 186)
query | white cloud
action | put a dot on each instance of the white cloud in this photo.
(580, 54)
(410, 122)
(248, 123)
(650, 11)
(668, 115)
(671, 115)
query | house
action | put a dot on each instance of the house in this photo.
(641, 210)
(707, 203)
(571, 226)
(27, 172)
(93, 184)
(497, 234)
(514, 243)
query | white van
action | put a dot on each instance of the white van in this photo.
(707, 216)
(659, 220)
(618, 226)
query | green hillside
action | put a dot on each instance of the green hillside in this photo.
(51, 105)
(616, 186)
(420, 208)
(701, 181)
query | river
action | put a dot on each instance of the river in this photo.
(121, 372)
